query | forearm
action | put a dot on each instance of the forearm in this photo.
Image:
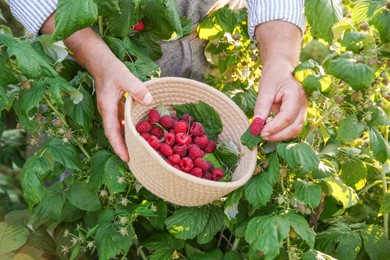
(279, 43)
(87, 48)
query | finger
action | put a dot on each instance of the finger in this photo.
(137, 90)
(292, 130)
(291, 104)
(264, 102)
(112, 129)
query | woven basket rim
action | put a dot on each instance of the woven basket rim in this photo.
(179, 174)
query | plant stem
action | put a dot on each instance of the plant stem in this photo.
(101, 29)
(385, 169)
(288, 248)
(235, 244)
(62, 117)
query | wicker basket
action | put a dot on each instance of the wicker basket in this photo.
(159, 177)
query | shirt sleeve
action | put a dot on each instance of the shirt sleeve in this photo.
(33, 13)
(261, 11)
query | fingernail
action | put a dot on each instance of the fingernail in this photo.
(148, 99)
(265, 135)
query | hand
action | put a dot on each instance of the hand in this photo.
(111, 85)
(282, 94)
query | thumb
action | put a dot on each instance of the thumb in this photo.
(137, 90)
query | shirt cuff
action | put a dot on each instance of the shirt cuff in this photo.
(32, 14)
(261, 11)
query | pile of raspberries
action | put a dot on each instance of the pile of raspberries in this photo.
(181, 142)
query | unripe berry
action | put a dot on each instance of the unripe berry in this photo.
(283, 172)
(301, 208)
(215, 42)
(357, 96)
(339, 99)
(363, 26)
(26, 84)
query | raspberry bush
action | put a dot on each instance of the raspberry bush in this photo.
(322, 195)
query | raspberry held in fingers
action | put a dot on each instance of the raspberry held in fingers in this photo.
(256, 126)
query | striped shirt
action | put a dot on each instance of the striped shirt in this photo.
(33, 13)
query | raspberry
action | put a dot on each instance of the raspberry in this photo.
(217, 174)
(197, 172)
(201, 141)
(181, 127)
(196, 129)
(183, 138)
(256, 126)
(186, 164)
(154, 116)
(195, 152)
(211, 166)
(180, 150)
(166, 122)
(143, 127)
(207, 176)
(201, 163)
(153, 142)
(145, 135)
(169, 139)
(157, 132)
(139, 26)
(175, 119)
(210, 147)
(174, 159)
(165, 149)
(189, 119)
(177, 167)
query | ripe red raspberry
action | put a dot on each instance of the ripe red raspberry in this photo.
(197, 172)
(181, 127)
(169, 138)
(154, 116)
(139, 26)
(207, 175)
(210, 147)
(145, 135)
(180, 150)
(195, 152)
(196, 129)
(211, 166)
(165, 149)
(217, 174)
(202, 164)
(256, 126)
(201, 141)
(191, 145)
(157, 132)
(186, 164)
(183, 138)
(143, 127)
(153, 141)
(174, 159)
(189, 119)
(166, 122)
(175, 119)
(177, 167)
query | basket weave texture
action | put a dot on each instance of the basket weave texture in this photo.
(162, 179)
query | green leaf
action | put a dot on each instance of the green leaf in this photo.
(259, 189)
(314, 254)
(365, 9)
(120, 24)
(29, 61)
(110, 242)
(353, 173)
(358, 75)
(187, 223)
(215, 254)
(31, 179)
(203, 113)
(250, 140)
(301, 227)
(379, 146)
(341, 192)
(266, 233)
(143, 68)
(107, 7)
(82, 112)
(350, 129)
(162, 254)
(73, 15)
(161, 213)
(329, 12)
(385, 204)
(82, 197)
(163, 240)
(11, 238)
(6, 75)
(375, 243)
(298, 156)
(381, 21)
(63, 86)
(308, 192)
(214, 224)
(227, 153)
(51, 204)
(340, 241)
(378, 117)
(353, 41)
(65, 154)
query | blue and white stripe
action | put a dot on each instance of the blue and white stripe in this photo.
(32, 13)
(262, 11)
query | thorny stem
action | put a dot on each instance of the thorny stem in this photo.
(62, 117)
(288, 205)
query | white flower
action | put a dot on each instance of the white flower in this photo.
(124, 201)
(123, 231)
